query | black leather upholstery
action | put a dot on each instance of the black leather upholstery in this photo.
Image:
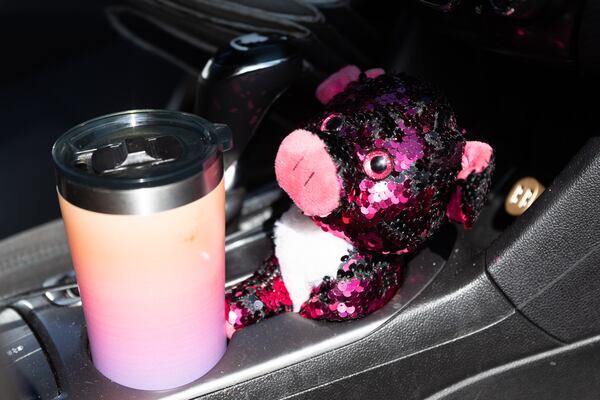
(547, 261)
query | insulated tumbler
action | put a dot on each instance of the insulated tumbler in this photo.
(142, 198)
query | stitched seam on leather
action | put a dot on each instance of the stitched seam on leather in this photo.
(517, 309)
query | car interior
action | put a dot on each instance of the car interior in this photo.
(508, 309)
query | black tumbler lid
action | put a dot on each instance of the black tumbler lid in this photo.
(140, 161)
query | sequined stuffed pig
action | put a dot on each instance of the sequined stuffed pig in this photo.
(372, 177)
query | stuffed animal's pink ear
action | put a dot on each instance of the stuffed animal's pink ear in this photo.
(338, 81)
(472, 183)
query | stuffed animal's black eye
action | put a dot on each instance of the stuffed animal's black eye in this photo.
(333, 123)
(379, 164)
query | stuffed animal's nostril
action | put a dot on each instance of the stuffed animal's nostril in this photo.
(298, 163)
(309, 178)
(308, 174)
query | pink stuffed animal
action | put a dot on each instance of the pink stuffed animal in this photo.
(372, 177)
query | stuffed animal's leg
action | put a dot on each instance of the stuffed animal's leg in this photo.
(260, 296)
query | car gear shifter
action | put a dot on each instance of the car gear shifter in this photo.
(238, 85)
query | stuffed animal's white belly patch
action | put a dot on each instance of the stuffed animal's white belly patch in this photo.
(306, 254)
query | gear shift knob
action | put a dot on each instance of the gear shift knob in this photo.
(238, 85)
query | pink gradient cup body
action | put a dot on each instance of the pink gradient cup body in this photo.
(152, 288)
(151, 281)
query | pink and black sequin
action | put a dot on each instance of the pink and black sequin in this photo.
(258, 297)
(414, 124)
(364, 283)
(398, 151)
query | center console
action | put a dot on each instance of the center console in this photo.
(460, 323)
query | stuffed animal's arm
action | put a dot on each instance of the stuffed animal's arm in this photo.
(363, 284)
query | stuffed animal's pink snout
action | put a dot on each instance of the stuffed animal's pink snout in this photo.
(308, 174)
